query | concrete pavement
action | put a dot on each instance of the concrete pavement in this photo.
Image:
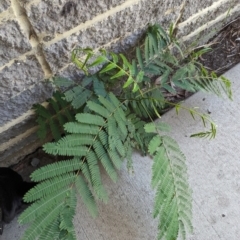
(214, 175)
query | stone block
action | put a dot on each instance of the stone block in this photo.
(16, 130)
(114, 27)
(19, 76)
(51, 17)
(16, 106)
(4, 5)
(13, 42)
(193, 7)
(124, 45)
(71, 72)
(20, 150)
(206, 16)
(20, 87)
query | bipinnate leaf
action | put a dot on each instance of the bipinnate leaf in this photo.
(93, 127)
(173, 202)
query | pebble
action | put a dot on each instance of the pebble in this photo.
(35, 162)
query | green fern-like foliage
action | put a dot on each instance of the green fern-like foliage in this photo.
(173, 202)
(93, 127)
(53, 117)
(63, 107)
(154, 70)
(99, 136)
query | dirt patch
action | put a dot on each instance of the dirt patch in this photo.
(27, 166)
(225, 51)
(224, 55)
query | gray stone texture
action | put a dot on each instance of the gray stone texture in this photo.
(123, 45)
(127, 45)
(20, 87)
(18, 77)
(119, 25)
(71, 72)
(205, 18)
(207, 33)
(16, 106)
(13, 42)
(28, 145)
(18, 129)
(50, 17)
(191, 8)
(4, 4)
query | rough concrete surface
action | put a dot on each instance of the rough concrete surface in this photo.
(15, 42)
(11, 81)
(102, 32)
(18, 94)
(214, 175)
(51, 29)
(24, 101)
(214, 165)
(4, 5)
(203, 14)
(58, 16)
(123, 45)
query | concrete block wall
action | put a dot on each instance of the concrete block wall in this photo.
(37, 36)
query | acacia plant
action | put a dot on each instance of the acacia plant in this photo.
(101, 120)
